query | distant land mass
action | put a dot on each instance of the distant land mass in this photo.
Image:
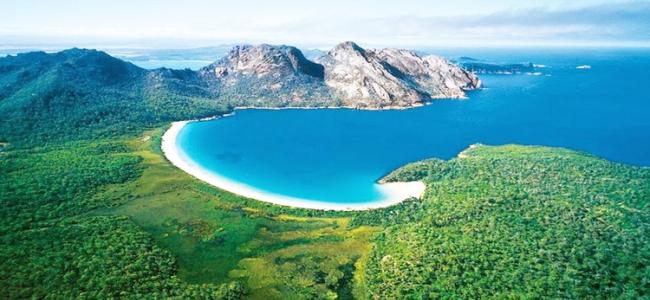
(477, 66)
(491, 68)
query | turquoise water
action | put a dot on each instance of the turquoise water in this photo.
(337, 155)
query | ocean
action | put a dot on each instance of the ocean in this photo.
(337, 155)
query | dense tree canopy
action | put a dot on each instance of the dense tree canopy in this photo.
(519, 222)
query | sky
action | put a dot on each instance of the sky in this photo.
(321, 24)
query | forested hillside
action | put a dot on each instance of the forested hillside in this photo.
(79, 93)
(518, 222)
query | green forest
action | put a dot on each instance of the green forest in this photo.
(90, 208)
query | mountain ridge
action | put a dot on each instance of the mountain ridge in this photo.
(76, 89)
(270, 75)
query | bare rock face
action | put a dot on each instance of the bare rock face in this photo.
(347, 75)
(434, 75)
(392, 77)
(267, 75)
(363, 79)
(264, 61)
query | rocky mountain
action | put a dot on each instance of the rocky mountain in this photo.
(362, 79)
(347, 75)
(392, 77)
(264, 60)
(266, 74)
(436, 76)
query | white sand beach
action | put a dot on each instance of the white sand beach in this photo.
(395, 192)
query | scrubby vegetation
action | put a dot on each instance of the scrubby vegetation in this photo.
(91, 209)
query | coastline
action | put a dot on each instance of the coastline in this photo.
(395, 192)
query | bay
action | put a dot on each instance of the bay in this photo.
(337, 155)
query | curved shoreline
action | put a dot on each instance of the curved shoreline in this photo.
(395, 192)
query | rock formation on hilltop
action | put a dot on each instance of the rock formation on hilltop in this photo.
(362, 79)
(392, 77)
(436, 76)
(264, 60)
(347, 75)
(267, 73)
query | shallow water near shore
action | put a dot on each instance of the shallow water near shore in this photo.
(338, 155)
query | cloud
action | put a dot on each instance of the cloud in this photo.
(627, 20)
(611, 23)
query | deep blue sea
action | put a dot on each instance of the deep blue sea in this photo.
(336, 155)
